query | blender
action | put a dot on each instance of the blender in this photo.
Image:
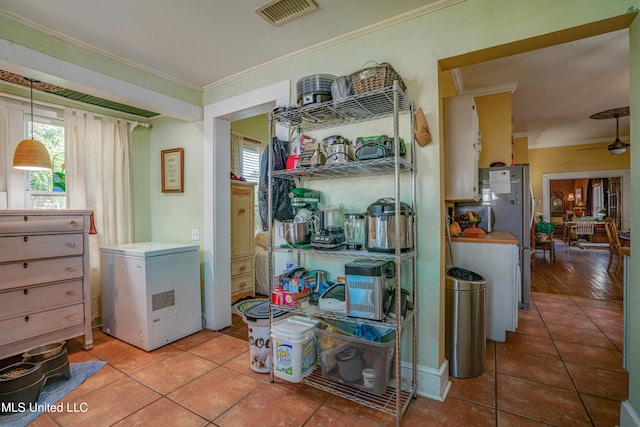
(330, 230)
(354, 230)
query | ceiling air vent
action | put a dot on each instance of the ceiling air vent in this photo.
(278, 12)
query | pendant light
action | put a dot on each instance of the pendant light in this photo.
(31, 154)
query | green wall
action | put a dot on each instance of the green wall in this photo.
(174, 215)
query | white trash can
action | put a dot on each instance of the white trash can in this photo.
(257, 320)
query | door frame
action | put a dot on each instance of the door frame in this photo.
(217, 217)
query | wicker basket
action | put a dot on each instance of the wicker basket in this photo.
(376, 77)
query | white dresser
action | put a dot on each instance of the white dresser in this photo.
(243, 279)
(45, 293)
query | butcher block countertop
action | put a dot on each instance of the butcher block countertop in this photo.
(503, 237)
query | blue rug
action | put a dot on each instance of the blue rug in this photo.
(54, 390)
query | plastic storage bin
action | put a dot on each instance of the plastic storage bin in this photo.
(343, 358)
(295, 348)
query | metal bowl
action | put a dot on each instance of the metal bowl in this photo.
(43, 352)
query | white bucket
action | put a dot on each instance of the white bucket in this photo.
(295, 348)
(257, 320)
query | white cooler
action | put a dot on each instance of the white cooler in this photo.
(151, 292)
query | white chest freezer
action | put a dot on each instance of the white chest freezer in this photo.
(151, 292)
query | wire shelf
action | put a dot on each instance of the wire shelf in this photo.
(384, 166)
(345, 253)
(384, 403)
(375, 104)
(303, 308)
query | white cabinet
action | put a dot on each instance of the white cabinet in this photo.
(461, 148)
(151, 292)
(45, 292)
(498, 264)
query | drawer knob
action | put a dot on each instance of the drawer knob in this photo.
(71, 245)
(243, 284)
(25, 218)
(243, 267)
(72, 317)
(25, 265)
(26, 291)
(70, 269)
(25, 238)
(26, 318)
(242, 210)
(73, 223)
(70, 293)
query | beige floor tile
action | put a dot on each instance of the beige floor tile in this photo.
(540, 402)
(215, 392)
(108, 404)
(532, 367)
(269, 406)
(163, 413)
(173, 372)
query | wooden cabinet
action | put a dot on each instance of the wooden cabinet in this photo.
(45, 293)
(242, 240)
(461, 148)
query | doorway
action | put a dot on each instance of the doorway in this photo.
(217, 152)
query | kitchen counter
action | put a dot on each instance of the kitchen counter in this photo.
(494, 237)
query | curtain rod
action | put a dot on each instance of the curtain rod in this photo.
(246, 138)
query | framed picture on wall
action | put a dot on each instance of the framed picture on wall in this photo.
(172, 165)
(579, 194)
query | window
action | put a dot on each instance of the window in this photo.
(251, 163)
(46, 189)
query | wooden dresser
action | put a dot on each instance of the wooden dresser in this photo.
(45, 293)
(243, 280)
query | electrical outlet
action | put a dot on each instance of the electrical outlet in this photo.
(195, 234)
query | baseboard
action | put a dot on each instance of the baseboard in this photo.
(628, 416)
(433, 383)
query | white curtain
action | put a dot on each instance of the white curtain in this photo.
(236, 154)
(98, 178)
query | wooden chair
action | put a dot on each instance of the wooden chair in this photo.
(583, 228)
(546, 245)
(614, 243)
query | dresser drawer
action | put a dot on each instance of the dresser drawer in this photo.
(40, 323)
(243, 283)
(241, 266)
(38, 298)
(19, 274)
(15, 248)
(13, 224)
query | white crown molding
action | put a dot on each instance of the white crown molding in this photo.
(492, 90)
(432, 7)
(458, 82)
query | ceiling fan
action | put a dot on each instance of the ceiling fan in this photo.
(618, 147)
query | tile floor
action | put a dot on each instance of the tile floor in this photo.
(562, 367)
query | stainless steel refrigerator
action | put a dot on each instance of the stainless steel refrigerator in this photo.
(508, 199)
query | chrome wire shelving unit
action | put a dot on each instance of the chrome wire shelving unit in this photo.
(388, 102)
